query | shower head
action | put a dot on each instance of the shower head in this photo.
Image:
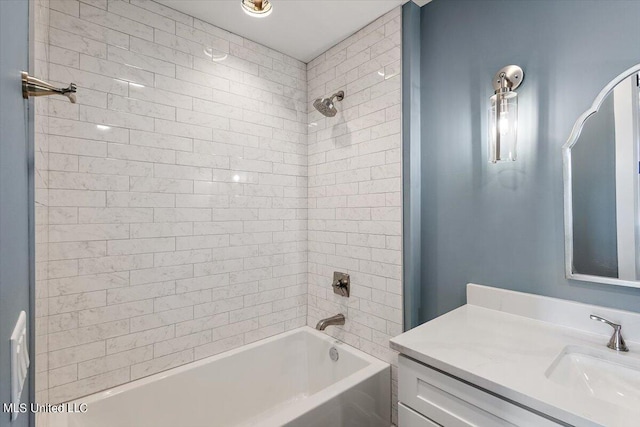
(326, 105)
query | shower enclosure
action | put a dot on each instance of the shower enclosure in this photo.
(193, 201)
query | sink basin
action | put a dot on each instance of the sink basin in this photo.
(605, 375)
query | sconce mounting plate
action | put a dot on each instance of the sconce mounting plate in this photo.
(512, 73)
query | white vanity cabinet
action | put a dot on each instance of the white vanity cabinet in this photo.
(511, 359)
(431, 398)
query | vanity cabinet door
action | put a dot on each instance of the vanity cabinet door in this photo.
(407, 417)
(450, 402)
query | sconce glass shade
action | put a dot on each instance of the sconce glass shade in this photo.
(503, 127)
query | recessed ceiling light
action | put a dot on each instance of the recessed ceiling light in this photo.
(257, 8)
(103, 127)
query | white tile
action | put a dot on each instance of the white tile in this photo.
(141, 15)
(77, 250)
(185, 45)
(115, 361)
(158, 140)
(173, 215)
(135, 152)
(75, 337)
(218, 346)
(355, 187)
(69, 7)
(114, 312)
(114, 215)
(182, 300)
(177, 212)
(183, 129)
(77, 43)
(182, 172)
(202, 283)
(114, 70)
(161, 363)
(72, 198)
(141, 292)
(115, 22)
(182, 257)
(63, 375)
(163, 11)
(73, 233)
(75, 354)
(88, 385)
(163, 318)
(161, 230)
(182, 343)
(140, 199)
(139, 246)
(81, 301)
(201, 324)
(66, 145)
(140, 107)
(80, 284)
(202, 242)
(160, 185)
(217, 307)
(110, 264)
(161, 274)
(157, 51)
(87, 29)
(93, 165)
(203, 160)
(93, 82)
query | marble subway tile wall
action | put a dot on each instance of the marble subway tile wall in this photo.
(355, 188)
(39, 15)
(176, 194)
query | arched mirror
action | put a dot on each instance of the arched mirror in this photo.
(602, 184)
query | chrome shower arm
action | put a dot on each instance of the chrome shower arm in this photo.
(338, 95)
(32, 86)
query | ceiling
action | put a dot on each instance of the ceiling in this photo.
(302, 29)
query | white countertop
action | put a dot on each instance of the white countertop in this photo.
(509, 354)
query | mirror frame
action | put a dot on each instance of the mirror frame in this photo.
(568, 191)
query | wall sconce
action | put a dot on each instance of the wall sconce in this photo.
(503, 114)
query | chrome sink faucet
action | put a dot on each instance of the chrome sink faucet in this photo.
(338, 319)
(616, 342)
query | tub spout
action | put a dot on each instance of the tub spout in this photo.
(338, 319)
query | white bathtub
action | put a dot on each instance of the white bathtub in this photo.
(288, 379)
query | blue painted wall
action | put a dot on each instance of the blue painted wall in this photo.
(16, 244)
(502, 225)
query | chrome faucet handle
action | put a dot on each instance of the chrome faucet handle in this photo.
(341, 284)
(616, 342)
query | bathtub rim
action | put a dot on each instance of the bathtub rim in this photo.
(374, 366)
